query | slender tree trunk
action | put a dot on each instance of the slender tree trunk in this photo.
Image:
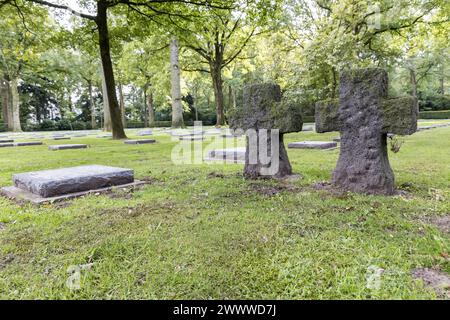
(144, 112)
(108, 73)
(4, 92)
(334, 83)
(195, 104)
(151, 111)
(122, 105)
(15, 104)
(441, 80)
(413, 78)
(216, 75)
(177, 109)
(91, 102)
(107, 126)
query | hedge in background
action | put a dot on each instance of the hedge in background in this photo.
(442, 114)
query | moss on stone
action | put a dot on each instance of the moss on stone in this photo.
(400, 115)
(326, 115)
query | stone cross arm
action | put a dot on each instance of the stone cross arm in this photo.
(326, 115)
(265, 108)
(399, 115)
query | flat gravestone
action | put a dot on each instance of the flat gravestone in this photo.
(229, 155)
(67, 146)
(312, 145)
(6, 140)
(5, 145)
(186, 133)
(61, 184)
(145, 133)
(61, 138)
(191, 138)
(28, 143)
(142, 141)
(213, 131)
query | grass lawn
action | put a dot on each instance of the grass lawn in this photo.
(202, 231)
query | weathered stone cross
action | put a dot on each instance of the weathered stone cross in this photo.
(364, 116)
(266, 117)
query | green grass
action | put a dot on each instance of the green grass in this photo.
(201, 231)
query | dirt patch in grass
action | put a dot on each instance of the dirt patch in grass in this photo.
(443, 223)
(214, 174)
(435, 279)
(151, 180)
(331, 190)
(272, 190)
(139, 210)
(4, 261)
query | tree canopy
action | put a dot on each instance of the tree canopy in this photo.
(53, 53)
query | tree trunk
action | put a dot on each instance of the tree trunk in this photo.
(108, 73)
(195, 104)
(234, 99)
(441, 80)
(216, 75)
(151, 111)
(91, 102)
(4, 93)
(122, 105)
(412, 75)
(334, 83)
(144, 112)
(177, 109)
(15, 104)
(107, 126)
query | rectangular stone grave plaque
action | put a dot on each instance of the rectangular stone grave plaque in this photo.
(57, 182)
(67, 146)
(312, 145)
(142, 141)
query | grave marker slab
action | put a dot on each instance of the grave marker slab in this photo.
(236, 155)
(364, 115)
(6, 140)
(312, 145)
(145, 133)
(5, 145)
(142, 141)
(28, 143)
(191, 138)
(67, 147)
(60, 184)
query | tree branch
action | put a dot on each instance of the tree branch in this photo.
(63, 7)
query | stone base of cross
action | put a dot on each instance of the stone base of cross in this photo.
(364, 115)
(266, 117)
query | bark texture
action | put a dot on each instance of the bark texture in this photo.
(14, 123)
(108, 74)
(177, 109)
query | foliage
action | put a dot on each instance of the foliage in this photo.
(442, 114)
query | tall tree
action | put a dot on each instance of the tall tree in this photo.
(219, 37)
(177, 108)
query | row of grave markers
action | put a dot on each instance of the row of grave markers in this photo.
(364, 115)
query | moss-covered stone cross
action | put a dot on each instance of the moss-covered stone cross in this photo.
(364, 115)
(266, 117)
